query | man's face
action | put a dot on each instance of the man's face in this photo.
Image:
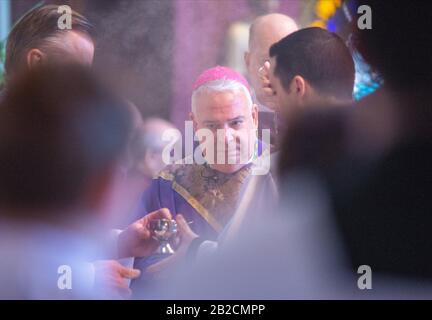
(286, 99)
(233, 124)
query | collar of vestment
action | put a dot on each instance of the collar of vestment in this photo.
(213, 194)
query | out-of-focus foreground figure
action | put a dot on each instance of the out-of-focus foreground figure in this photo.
(374, 158)
(62, 136)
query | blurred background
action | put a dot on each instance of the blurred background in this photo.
(152, 50)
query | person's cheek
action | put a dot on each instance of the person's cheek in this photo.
(243, 144)
(281, 97)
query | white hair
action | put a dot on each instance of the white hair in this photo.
(222, 85)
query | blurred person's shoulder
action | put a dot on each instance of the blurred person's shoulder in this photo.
(373, 124)
(326, 134)
(35, 259)
(315, 137)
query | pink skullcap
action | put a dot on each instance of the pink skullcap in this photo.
(219, 73)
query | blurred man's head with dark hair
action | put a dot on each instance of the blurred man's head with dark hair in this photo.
(311, 66)
(62, 134)
(399, 43)
(36, 38)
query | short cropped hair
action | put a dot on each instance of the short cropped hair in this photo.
(320, 57)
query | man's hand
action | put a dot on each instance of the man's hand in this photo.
(186, 236)
(266, 87)
(264, 73)
(111, 277)
(136, 240)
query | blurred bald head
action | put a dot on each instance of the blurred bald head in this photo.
(147, 146)
(264, 32)
(156, 126)
(269, 29)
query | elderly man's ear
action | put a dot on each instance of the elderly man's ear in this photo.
(255, 114)
(34, 58)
